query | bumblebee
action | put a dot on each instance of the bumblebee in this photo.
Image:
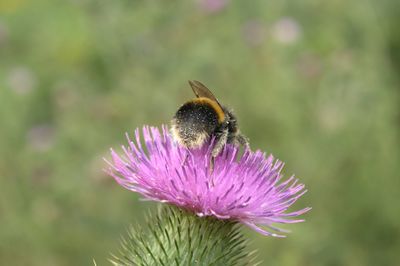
(203, 117)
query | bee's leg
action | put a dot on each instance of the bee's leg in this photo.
(243, 140)
(184, 160)
(221, 140)
(219, 144)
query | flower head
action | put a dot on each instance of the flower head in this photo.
(247, 188)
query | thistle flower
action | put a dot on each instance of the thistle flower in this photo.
(246, 187)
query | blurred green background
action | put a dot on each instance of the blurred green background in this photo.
(314, 82)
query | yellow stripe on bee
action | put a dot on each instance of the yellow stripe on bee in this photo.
(214, 105)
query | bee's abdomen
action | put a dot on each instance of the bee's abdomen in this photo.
(194, 122)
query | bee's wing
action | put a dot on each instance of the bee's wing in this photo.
(200, 90)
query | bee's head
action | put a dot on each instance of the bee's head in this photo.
(230, 120)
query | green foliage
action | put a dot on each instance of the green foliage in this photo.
(177, 237)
